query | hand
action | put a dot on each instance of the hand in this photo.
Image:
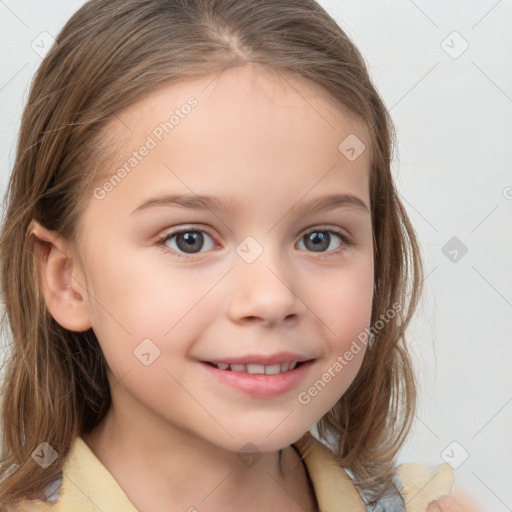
(455, 502)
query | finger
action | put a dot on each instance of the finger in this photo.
(466, 504)
(450, 504)
(433, 506)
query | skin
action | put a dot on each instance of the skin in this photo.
(455, 502)
(269, 143)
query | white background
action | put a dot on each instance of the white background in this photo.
(454, 172)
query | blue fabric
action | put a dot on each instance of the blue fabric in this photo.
(392, 501)
(52, 490)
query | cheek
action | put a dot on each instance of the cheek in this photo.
(134, 298)
(126, 289)
(345, 312)
(346, 303)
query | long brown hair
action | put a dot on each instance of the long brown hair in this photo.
(110, 54)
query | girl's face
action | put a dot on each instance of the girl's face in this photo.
(173, 280)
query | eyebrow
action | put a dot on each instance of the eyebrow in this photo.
(232, 205)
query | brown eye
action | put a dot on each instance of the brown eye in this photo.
(322, 240)
(188, 241)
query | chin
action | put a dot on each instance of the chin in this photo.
(263, 439)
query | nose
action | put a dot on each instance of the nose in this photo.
(264, 291)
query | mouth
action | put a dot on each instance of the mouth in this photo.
(258, 369)
(257, 379)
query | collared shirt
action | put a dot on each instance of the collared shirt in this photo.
(86, 485)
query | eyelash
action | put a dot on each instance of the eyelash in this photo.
(346, 241)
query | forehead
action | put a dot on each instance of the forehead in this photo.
(253, 98)
(249, 82)
(249, 133)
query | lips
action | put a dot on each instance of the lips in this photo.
(260, 376)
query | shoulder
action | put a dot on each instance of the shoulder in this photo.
(415, 485)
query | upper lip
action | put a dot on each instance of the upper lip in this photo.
(267, 360)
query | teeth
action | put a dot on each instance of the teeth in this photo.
(254, 369)
(273, 369)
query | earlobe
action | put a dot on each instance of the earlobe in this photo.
(59, 281)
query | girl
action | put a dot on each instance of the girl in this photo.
(148, 374)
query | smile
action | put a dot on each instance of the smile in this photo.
(259, 380)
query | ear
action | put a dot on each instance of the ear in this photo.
(60, 280)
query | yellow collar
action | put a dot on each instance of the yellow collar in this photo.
(87, 486)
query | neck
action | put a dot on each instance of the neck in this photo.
(157, 464)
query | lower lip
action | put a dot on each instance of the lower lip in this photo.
(260, 385)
